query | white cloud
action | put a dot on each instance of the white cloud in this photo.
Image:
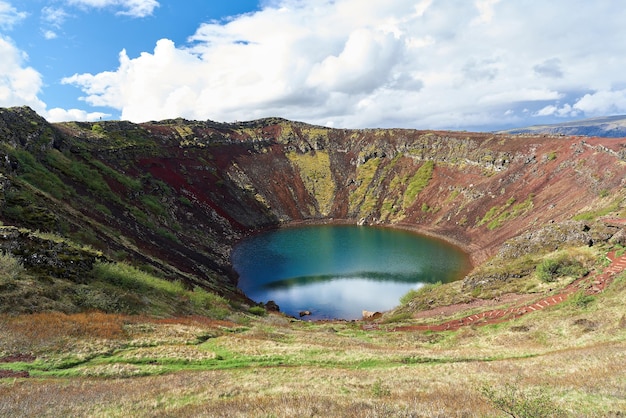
(54, 16)
(134, 8)
(52, 19)
(486, 11)
(153, 86)
(9, 15)
(547, 111)
(520, 95)
(562, 112)
(49, 34)
(19, 84)
(364, 63)
(351, 63)
(63, 115)
(602, 103)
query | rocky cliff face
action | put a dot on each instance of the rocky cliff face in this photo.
(178, 194)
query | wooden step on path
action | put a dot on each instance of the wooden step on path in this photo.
(591, 285)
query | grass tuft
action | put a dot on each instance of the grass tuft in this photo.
(562, 265)
(10, 267)
(520, 403)
(417, 183)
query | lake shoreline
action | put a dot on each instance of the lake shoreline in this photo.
(362, 267)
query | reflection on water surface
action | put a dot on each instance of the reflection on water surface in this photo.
(338, 271)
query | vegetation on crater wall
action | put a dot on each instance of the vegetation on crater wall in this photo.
(164, 297)
(616, 206)
(291, 132)
(564, 263)
(497, 215)
(44, 177)
(132, 184)
(80, 172)
(530, 272)
(49, 272)
(417, 183)
(10, 268)
(315, 132)
(391, 208)
(363, 198)
(35, 173)
(314, 168)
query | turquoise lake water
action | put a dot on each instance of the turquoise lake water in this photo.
(336, 271)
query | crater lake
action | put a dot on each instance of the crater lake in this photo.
(337, 271)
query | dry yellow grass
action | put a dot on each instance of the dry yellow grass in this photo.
(572, 359)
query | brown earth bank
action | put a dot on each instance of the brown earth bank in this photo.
(7, 374)
(176, 195)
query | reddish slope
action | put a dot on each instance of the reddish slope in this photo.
(590, 285)
(209, 184)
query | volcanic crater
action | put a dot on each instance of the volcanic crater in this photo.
(178, 194)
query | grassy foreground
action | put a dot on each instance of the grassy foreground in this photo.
(565, 361)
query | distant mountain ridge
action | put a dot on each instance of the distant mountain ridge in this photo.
(606, 126)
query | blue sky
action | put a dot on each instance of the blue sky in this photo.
(431, 64)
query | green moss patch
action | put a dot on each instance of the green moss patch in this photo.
(315, 172)
(417, 183)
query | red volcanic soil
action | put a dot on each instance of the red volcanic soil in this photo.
(239, 178)
(7, 374)
(243, 185)
(22, 358)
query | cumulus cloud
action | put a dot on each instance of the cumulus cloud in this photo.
(357, 64)
(559, 111)
(63, 115)
(9, 15)
(599, 103)
(167, 82)
(364, 63)
(134, 8)
(19, 84)
(604, 102)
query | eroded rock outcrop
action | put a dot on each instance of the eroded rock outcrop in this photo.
(47, 255)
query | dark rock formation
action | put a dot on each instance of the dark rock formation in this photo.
(555, 236)
(46, 256)
(272, 306)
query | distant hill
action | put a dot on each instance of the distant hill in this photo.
(608, 127)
